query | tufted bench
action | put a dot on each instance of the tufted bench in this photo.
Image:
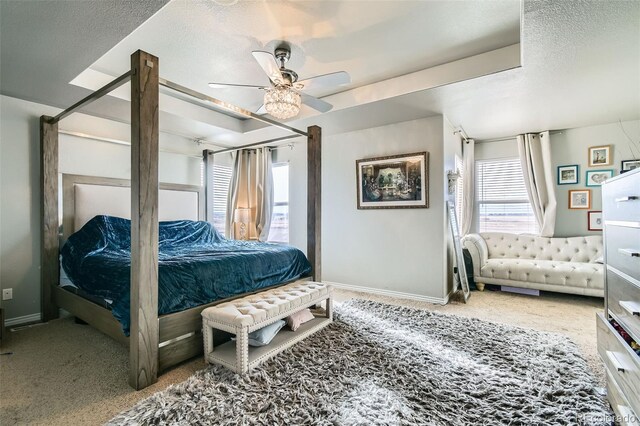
(245, 315)
(567, 265)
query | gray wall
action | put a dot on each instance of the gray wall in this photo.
(20, 184)
(571, 147)
(401, 250)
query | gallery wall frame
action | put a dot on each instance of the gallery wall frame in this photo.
(601, 155)
(393, 182)
(597, 177)
(627, 165)
(580, 199)
(568, 174)
(594, 220)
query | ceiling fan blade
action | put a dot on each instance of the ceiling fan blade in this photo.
(261, 110)
(268, 63)
(225, 85)
(315, 103)
(333, 79)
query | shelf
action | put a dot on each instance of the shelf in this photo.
(225, 354)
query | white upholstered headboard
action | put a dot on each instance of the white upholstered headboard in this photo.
(84, 197)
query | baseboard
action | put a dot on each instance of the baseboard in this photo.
(10, 322)
(391, 293)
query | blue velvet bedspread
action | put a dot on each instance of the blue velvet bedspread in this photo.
(196, 264)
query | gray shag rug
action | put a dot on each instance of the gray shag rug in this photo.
(379, 364)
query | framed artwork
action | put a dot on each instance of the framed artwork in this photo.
(597, 177)
(627, 165)
(568, 175)
(580, 199)
(600, 155)
(393, 182)
(594, 220)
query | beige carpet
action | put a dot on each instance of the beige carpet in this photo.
(64, 373)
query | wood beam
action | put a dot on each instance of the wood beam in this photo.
(144, 335)
(49, 244)
(314, 199)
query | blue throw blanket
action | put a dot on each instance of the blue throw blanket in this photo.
(196, 264)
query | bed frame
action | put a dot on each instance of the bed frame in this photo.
(156, 342)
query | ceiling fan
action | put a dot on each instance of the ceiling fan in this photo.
(283, 98)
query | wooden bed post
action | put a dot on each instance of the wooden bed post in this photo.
(144, 337)
(49, 243)
(207, 158)
(314, 199)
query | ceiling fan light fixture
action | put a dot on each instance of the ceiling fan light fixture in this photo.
(282, 102)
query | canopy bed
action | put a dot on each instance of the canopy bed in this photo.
(156, 340)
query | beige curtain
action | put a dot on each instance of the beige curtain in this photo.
(251, 187)
(468, 185)
(535, 158)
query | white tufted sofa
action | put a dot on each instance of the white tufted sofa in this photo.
(566, 265)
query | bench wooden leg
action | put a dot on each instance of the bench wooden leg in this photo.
(242, 351)
(207, 333)
(329, 308)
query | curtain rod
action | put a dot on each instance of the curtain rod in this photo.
(510, 138)
(120, 142)
(255, 144)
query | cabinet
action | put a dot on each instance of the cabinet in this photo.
(619, 325)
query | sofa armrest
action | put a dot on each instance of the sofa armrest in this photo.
(478, 249)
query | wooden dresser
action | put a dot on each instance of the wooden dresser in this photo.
(619, 325)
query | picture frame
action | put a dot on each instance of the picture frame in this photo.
(594, 220)
(580, 199)
(628, 165)
(568, 174)
(601, 155)
(597, 177)
(393, 182)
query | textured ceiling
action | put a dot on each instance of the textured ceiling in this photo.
(580, 60)
(44, 44)
(372, 41)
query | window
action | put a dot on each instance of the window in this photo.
(221, 178)
(279, 232)
(501, 197)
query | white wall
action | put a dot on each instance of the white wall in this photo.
(20, 184)
(399, 250)
(571, 147)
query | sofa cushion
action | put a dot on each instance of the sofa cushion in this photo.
(571, 274)
(570, 249)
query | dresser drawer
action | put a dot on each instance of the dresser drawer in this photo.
(623, 249)
(624, 303)
(621, 199)
(620, 404)
(622, 363)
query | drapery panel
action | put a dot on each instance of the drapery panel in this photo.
(251, 187)
(468, 185)
(535, 157)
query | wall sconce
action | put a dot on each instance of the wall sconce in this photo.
(452, 178)
(241, 216)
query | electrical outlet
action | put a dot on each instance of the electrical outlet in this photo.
(7, 294)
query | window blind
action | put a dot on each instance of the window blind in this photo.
(221, 179)
(501, 196)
